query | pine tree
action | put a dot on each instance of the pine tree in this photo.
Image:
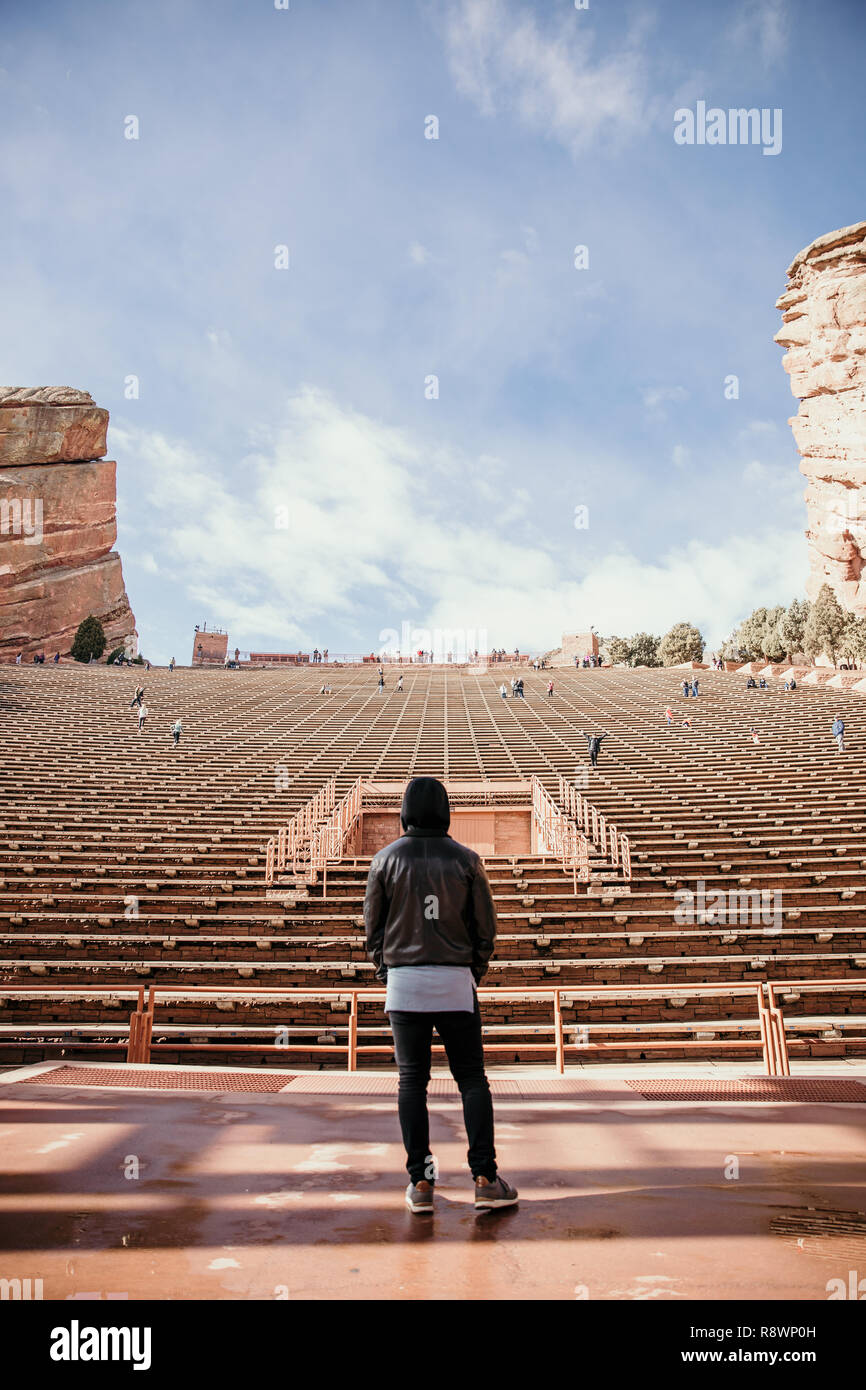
(852, 643)
(618, 650)
(825, 626)
(772, 642)
(683, 643)
(644, 650)
(89, 639)
(752, 632)
(793, 626)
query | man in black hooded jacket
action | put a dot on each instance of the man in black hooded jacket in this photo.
(431, 926)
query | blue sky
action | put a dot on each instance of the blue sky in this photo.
(283, 471)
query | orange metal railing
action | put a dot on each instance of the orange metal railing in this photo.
(558, 834)
(288, 844)
(328, 841)
(613, 846)
(768, 1025)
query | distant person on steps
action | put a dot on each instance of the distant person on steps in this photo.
(594, 741)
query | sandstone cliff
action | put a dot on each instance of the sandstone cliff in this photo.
(824, 317)
(57, 523)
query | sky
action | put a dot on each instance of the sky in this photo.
(362, 386)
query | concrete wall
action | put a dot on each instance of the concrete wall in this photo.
(507, 829)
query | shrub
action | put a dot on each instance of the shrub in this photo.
(683, 643)
(89, 640)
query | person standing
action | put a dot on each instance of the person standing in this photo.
(400, 684)
(503, 690)
(686, 689)
(839, 732)
(549, 689)
(430, 929)
(177, 730)
(142, 715)
(695, 687)
(669, 714)
(171, 665)
(594, 741)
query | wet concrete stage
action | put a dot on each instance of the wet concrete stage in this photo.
(156, 1194)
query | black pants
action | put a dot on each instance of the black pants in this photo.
(593, 756)
(461, 1035)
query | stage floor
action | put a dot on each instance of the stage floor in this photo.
(115, 1190)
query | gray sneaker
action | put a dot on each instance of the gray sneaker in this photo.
(489, 1195)
(419, 1196)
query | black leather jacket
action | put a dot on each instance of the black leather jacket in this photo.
(428, 899)
(428, 902)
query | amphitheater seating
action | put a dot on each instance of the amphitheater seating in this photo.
(128, 861)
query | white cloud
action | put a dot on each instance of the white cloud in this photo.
(371, 530)
(656, 397)
(418, 254)
(762, 26)
(761, 427)
(144, 562)
(780, 478)
(500, 59)
(680, 456)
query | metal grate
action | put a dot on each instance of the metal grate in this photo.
(755, 1088)
(159, 1080)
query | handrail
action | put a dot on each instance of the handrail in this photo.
(328, 841)
(558, 833)
(612, 845)
(769, 1023)
(288, 842)
(351, 1048)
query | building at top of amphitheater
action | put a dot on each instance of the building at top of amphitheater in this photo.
(58, 523)
(824, 332)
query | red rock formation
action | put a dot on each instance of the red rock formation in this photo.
(824, 315)
(57, 523)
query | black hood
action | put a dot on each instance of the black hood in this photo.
(426, 809)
